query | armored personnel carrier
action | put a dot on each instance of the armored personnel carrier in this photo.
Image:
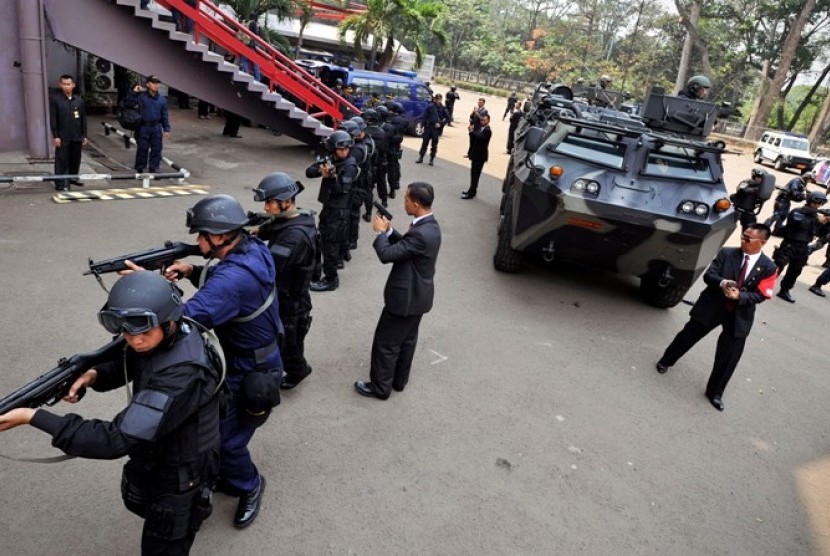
(638, 195)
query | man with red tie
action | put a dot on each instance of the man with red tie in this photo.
(736, 281)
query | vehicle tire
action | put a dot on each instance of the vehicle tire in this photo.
(779, 165)
(659, 296)
(418, 129)
(506, 258)
(505, 184)
(758, 158)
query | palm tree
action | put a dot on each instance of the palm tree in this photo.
(410, 20)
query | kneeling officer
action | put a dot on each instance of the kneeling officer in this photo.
(170, 429)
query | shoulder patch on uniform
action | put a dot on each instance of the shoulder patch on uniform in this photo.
(144, 415)
(280, 251)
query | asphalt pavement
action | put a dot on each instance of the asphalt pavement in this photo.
(534, 421)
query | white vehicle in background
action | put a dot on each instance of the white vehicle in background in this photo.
(785, 150)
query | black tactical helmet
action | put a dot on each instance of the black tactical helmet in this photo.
(361, 123)
(382, 111)
(351, 128)
(139, 302)
(816, 197)
(453, 87)
(339, 140)
(756, 172)
(217, 214)
(394, 106)
(371, 116)
(279, 186)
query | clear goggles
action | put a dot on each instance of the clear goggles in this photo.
(131, 321)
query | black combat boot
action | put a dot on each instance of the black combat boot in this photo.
(325, 285)
(432, 161)
(420, 160)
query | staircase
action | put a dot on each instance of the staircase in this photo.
(122, 32)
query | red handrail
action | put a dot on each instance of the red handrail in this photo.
(222, 28)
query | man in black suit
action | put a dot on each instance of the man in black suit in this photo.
(408, 294)
(479, 151)
(737, 280)
(67, 119)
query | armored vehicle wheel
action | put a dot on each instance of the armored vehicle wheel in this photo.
(505, 184)
(758, 158)
(659, 296)
(506, 258)
(779, 164)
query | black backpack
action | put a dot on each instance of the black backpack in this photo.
(128, 113)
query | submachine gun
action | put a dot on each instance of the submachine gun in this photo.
(151, 259)
(51, 386)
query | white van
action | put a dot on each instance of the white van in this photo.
(785, 150)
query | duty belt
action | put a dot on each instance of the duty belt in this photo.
(259, 355)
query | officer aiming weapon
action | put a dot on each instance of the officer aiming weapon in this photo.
(51, 386)
(151, 259)
(382, 210)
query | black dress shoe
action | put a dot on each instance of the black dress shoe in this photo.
(325, 285)
(248, 507)
(397, 388)
(420, 160)
(785, 295)
(717, 402)
(79, 183)
(366, 389)
(661, 368)
(466, 195)
(816, 289)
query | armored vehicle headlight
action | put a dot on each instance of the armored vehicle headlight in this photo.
(693, 207)
(586, 187)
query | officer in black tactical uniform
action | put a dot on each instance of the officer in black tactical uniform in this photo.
(380, 160)
(449, 102)
(794, 191)
(801, 227)
(293, 239)
(435, 117)
(366, 179)
(395, 127)
(339, 173)
(361, 190)
(169, 430)
(747, 198)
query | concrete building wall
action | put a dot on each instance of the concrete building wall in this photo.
(12, 112)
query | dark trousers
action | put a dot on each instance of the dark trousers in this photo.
(476, 166)
(333, 227)
(236, 468)
(232, 123)
(203, 108)
(67, 160)
(293, 350)
(430, 135)
(792, 255)
(152, 545)
(392, 350)
(779, 214)
(393, 169)
(727, 353)
(379, 175)
(148, 152)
